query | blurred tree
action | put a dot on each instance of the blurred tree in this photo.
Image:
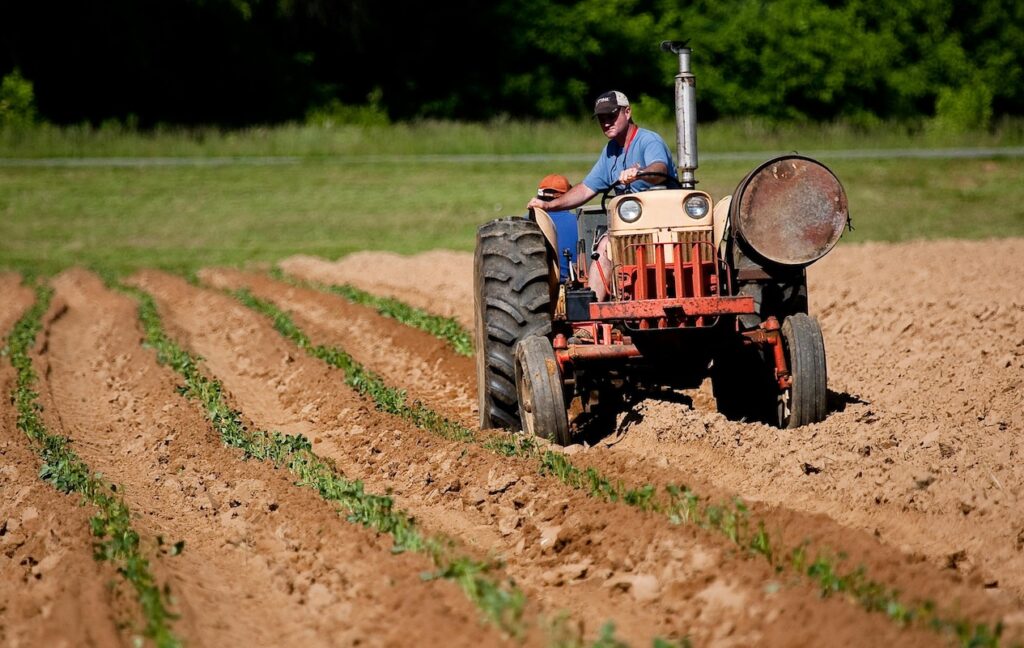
(17, 101)
(237, 62)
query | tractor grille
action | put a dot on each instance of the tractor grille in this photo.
(625, 250)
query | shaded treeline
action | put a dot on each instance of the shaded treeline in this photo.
(238, 62)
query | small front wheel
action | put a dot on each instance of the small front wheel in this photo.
(539, 385)
(806, 400)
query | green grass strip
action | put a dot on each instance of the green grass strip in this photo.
(118, 541)
(502, 604)
(443, 328)
(680, 504)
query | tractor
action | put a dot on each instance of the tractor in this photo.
(697, 289)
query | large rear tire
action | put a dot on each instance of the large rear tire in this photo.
(539, 386)
(512, 289)
(806, 400)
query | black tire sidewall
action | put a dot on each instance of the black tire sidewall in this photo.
(805, 354)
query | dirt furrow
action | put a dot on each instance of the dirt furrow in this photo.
(16, 300)
(598, 560)
(427, 367)
(54, 592)
(922, 447)
(788, 527)
(434, 281)
(263, 562)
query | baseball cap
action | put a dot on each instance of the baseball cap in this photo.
(609, 102)
(553, 184)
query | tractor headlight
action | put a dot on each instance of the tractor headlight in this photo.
(629, 210)
(696, 206)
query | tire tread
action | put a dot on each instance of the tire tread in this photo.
(513, 302)
(808, 368)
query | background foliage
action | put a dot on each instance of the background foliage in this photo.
(243, 62)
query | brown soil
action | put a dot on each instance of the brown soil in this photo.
(921, 450)
(919, 474)
(435, 281)
(595, 560)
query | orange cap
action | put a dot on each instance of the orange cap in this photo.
(553, 184)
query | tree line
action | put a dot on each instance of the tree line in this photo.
(243, 62)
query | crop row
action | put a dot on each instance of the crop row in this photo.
(443, 328)
(117, 542)
(676, 502)
(502, 603)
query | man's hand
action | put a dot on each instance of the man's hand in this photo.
(629, 175)
(571, 199)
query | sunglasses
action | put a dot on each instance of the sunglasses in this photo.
(610, 116)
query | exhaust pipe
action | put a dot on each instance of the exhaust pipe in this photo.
(686, 114)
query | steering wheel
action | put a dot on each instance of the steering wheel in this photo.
(671, 184)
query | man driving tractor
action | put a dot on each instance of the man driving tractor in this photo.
(682, 290)
(631, 152)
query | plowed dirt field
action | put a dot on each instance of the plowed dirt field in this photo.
(915, 476)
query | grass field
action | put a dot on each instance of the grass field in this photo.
(183, 217)
(497, 137)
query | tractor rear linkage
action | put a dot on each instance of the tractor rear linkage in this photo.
(621, 348)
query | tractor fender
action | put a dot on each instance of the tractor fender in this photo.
(721, 218)
(547, 228)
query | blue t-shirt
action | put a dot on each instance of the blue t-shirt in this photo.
(646, 148)
(568, 235)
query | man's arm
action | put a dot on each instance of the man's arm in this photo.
(573, 198)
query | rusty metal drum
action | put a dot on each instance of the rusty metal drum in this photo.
(791, 210)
